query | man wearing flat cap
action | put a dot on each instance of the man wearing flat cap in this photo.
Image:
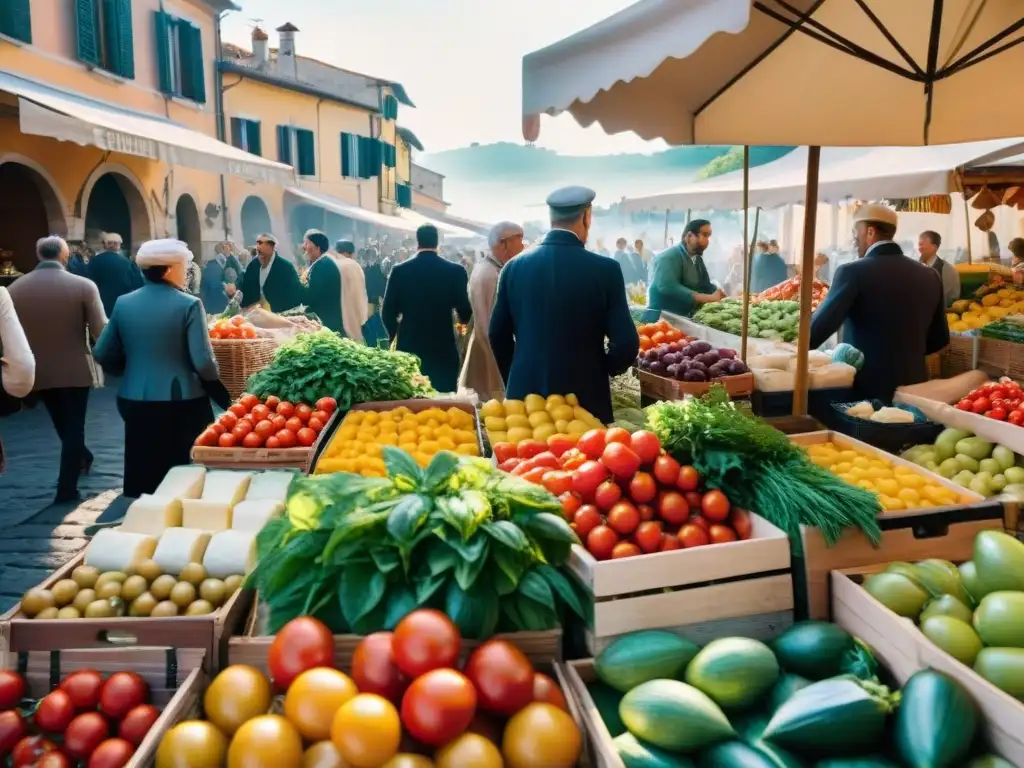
(270, 279)
(323, 281)
(680, 282)
(480, 371)
(890, 307)
(355, 306)
(556, 308)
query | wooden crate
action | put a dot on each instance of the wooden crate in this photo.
(944, 532)
(208, 633)
(251, 458)
(602, 752)
(742, 587)
(175, 677)
(663, 388)
(904, 650)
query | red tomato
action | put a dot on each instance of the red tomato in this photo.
(688, 479)
(52, 760)
(503, 452)
(509, 464)
(620, 460)
(249, 401)
(557, 482)
(425, 640)
(217, 429)
(253, 440)
(527, 449)
(588, 477)
(739, 520)
(607, 494)
(672, 508)
(112, 753)
(698, 519)
(122, 692)
(264, 428)
(721, 534)
(303, 412)
(573, 459)
(964, 405)
(617, 435)
(260, 412)
(648, 536)
(272, 442)
(12, 689)
(208, 438)
(524, 466)
(586, 519)
(535, 475)
(286, 438)
(315, 424)
(646, 512)
(642, 488)
(227, 440)
(625, 549)
(238, 409)
(30, 750)
(272, 402)
(241, 429)
(286, 409)
(322, 416)
(502, 676)
(999, 414)
(55, 711)
(306, 437)
(571, 502)
(559, 444)
(278, 421)
(1016, 417)
(546, 459)
(715, 506)
(601, 541)
(228, 420)
(645, 445)
(438, 706)
(666, 470)
(374, 669)
(694, 499)
(328, 404)
(693, 536)
(546, 690)
(86, 732)
(980, 405)
(136, 724)
(592, 443)
(301, 644)
(12, 731)
(670, 542)
(293, 424)
(623, 518)
(84, 688)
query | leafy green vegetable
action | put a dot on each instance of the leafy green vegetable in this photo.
(361, 553)
(759, 468)
(323, 364)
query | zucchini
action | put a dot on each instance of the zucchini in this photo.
(736, 672)
(818, 650)
(736, 754)
(784, 688)
(868, 761)
(750, 726)
(675, 716)
(936, 722)
(989, 761)
(607, 701)
(636, 754)
(641, 656)
(832, 718)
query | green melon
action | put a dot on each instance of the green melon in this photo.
(955, 637)
(736, 672)
(674, 716)
(1004, 668)
(999, 619)
(947, 605)
(641, 656)
(999, 561)
(636, 754)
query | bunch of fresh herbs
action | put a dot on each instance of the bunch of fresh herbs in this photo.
(323, 364)
(484, 547)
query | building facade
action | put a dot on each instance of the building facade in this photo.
(109, 122)
(427, 189)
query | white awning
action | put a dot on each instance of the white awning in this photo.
(473, 226)
(46, 111)
(449, 230)
(340, 207)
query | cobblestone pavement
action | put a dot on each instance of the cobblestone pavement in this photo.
(37, 536)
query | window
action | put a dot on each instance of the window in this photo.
(105, 35)
(16, 20)
(297, 147)
(179, 49)
(403, 195)
(390, 108)
(245, 134)
(360, 156)
(389, 155)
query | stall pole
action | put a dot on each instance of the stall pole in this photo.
(967, 216)
(665, 240)
(744, 322)
(806, 281)
(687, 217)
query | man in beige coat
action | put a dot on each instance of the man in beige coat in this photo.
(59, 311)
(480, 372)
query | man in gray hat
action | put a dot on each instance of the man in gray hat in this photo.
(890, 307)
(556, 307)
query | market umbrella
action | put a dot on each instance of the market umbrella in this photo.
(806, 72)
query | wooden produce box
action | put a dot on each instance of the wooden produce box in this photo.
(718, 590)
(658, 387)
(942, 532)
(601, 749)
(175, 677)
(904, 650)
(252, 458)
(208, 633)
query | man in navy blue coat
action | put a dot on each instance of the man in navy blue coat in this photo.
(556, 307)
(891, 308)
(421, 295)
(114, 274)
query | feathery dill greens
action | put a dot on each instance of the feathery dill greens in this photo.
(759, 468)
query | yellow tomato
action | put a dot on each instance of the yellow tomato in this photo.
(541, 734)
(267, 741)
(470, 749)
(888, 486)
(408, 760)
(192, 744)
(912, 480)
(313, 698)
(366, 731)
(909, 496)
(322, 755)
(239, 693)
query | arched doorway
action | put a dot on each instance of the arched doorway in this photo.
(29, 210)
(115, 204)
(187, 216)
(255, 220)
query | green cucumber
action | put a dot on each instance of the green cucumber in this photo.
(736, 672)
(784, 688)
(607, 701)
(750, 726)
(736, 754)
(641, 656)
(989, 761)
(869, 761)
(636, 754)
(832, 718)
(818, 650)
(675, 716)
(936, 722)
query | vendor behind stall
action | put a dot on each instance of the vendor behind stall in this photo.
(679, 280)
(769, 269)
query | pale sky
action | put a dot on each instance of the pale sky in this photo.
(459, 60)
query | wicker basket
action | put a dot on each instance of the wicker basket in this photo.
(239, 359)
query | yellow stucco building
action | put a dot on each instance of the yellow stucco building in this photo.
(109, 121)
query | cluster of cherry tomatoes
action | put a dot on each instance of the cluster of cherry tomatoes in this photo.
(235, 328)
(87, 720)
(1001, 400)
(270, 423)
(624, 495)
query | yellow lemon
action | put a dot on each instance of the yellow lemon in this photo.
(539, 417)
(570, 399)
(554, 400)
(497, 437)
(861, 463)
(887, 486)
(890, 504)
(492, 408)
(847, 478)
(562, 426)
(467, 449)
(534, 403)
(518, 434)
(562, 413)
(576, 427)
(910, 496)
(843, 466)
(515, 407)
(848, 455)
(543, 431)
(521, 422)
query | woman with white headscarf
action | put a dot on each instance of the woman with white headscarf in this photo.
(158, 341)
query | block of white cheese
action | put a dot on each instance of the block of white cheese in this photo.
(112, 549)
(152, 515)
(230, 553)
(185, 482)
(253, 515)
(226, 486)
(205, 515)
(272, 485)
(178, 547)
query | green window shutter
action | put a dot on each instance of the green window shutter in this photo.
(390, 155)
(237, 131)
(347, 160)
(390, 108)
(16, 19)
(193, 65)
(88, 35)
(403, 195)
(163, 50)
(117, 20)
(307, 152)
(252, 131)
(284, 144)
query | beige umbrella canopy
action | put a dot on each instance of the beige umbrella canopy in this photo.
(810, 72)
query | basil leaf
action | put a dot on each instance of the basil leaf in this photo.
(467, 571)
(401, 465)
(408, 515)
(534, 587)
(439, 471)
(360, 591)
(427, 588)
(553, 535)
(474, 611)
(564, 589)
(508, 534)
(533, 616)
(441, 558)
(469, 550)
(400, 603)
(386, 559)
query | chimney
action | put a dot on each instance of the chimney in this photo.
(286, 62)
(260, 47)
